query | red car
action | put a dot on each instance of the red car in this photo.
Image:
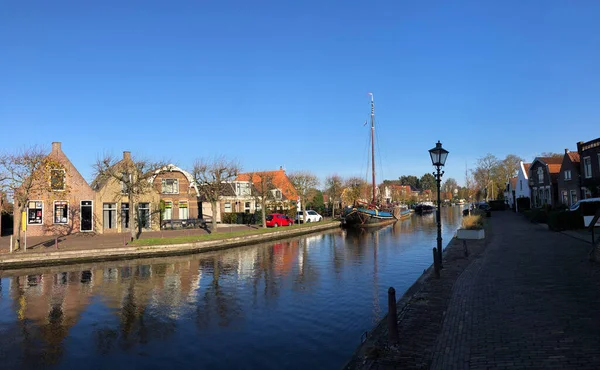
(277, 219)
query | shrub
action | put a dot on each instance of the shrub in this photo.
(537, 215)
(523, 204)
(565, 220)
(228, 218)
(473, 222)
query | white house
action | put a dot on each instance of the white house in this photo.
(522, 183)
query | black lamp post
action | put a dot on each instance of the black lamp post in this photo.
(438, 159)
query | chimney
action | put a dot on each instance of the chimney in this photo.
(566, 151)
(127, 156)
(280, 168)
(56, 147)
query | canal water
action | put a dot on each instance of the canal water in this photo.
(294, 304)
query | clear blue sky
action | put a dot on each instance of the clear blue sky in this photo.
(282, 83)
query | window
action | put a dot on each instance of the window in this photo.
(586, 193)
(521, 185)
(573, 197)
(57, 179)
(125, 215)
(277, 194)
(35, 211)
(540, 172)
(125, 180)
(170, 186)
(144, 209)
(247, 207)
(567, 175)
(227, 207)
(61, 212)
(184, 212)
(548, 200)
(565, 198)
(109, 215)
(242, 188)
(587, 167)
(168, 215)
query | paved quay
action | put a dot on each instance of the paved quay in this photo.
(76, 248)
(529, 298)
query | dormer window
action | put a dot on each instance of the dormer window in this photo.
(57, 179)
(540, 172)
(277, 194)
(567, 175)
(242, 188)
(170, 186)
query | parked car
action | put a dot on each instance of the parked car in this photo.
(277, 219)
(311, 216)
(588, 208)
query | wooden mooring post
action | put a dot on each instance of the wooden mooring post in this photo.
(393, 337)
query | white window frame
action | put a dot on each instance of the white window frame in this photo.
(169, 210)
(42, 217)
(81, 215)
(540, 173)
(181, 209)
(54, 212)
(116, 221)
(227, 206)
(64, 180)
(572, 193)
(587, 167)
(565, 197)
(174, 186)
(567, 174)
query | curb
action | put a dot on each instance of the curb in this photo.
(120, 253)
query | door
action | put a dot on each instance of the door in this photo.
(86, 216)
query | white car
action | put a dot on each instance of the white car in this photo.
(311, 216)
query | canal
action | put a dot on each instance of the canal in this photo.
(294, 304)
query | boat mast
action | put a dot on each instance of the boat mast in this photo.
(373, 144)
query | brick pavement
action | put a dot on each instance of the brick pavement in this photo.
(532, 301)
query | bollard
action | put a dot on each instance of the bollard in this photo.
(10, 249)
(466, 249)
(393, 337)
(56, 243)
(436, 266)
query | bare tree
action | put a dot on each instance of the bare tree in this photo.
(303, 181)
(486, 172)
(29, 172)
(449, 185)
(355, 189)
(210, 175)
(134, 175)
(334, 187)
(262, 185)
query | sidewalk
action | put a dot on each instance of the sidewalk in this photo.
(532, 301)
(83, 241)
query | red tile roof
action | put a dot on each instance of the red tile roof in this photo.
(526, 166)
(551, 160)
(574, 156)
(513, 182)
(280, 180)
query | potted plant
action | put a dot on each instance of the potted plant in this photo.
(472, 228)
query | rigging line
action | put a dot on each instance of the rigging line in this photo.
(366, 154)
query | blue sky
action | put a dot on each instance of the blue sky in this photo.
(278, 83)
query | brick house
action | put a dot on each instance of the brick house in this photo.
(282, 194)
(543, 180)
(569, 181)
(66, 207)
(179, 193)
(589, 153)
(112, 212)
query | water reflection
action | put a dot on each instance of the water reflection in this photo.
(294, 303)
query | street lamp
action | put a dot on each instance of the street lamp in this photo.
(438, 159)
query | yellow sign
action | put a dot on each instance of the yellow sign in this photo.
(24, 221)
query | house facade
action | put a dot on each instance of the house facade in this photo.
(66, 207)
(280, 192)
(543, 180)
(569, 181)
(113, 213)
(179, 193)
(589, 153)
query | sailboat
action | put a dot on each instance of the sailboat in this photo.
(364, 214)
